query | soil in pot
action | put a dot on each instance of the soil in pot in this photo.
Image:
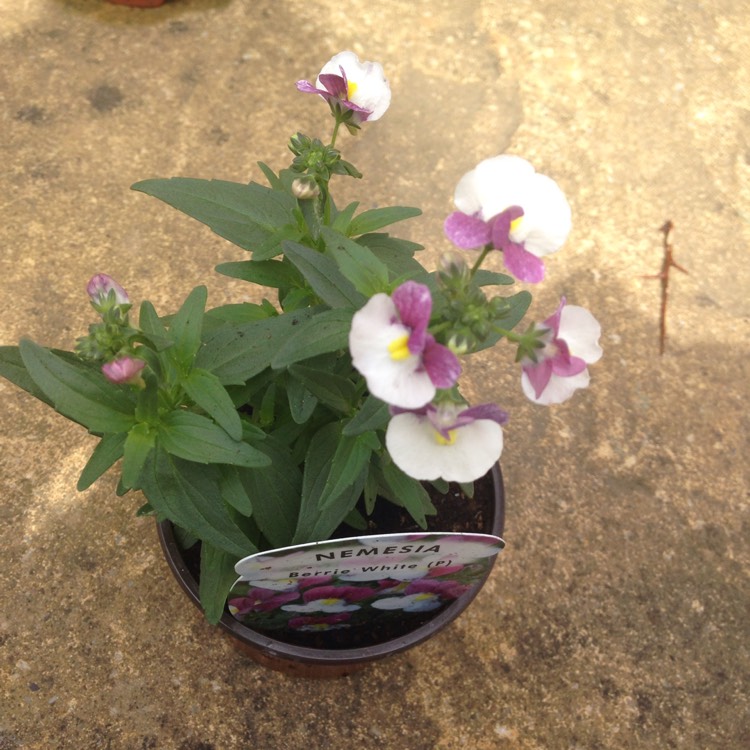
(456, 512)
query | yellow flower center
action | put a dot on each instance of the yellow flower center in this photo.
(399, 348)
(515, 223)
(351, 89)
(328, 602)
(441, 440)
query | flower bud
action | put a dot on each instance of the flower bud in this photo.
(100, 286)
(305, 188)
(124, 370)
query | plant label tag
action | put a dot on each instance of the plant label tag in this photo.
(360, 582)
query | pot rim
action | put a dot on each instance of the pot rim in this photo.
(330, 657)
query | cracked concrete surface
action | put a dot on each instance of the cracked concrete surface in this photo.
(617, 617)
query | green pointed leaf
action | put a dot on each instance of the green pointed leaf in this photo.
(373, 415)
(274, 492)
(325, 332)
(357, 262)
(351, 458)
(78, 391)
(377, 218)
(335, 391)
(196, 438)
(208, 393)
(396, 254)
(317, 467)
(344, 218)
(246, 215)
(12, 368)
(233, 492)
(483, 277)
(236, 353)
(188, 494)
(301, 402)
(108, 450)
(272, 273)
(139, 443)
(408, 492)
(216, 581)
(324, 277)
(185, 327)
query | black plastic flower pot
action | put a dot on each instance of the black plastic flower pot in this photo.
(317, 662)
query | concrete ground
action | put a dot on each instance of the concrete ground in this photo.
(617, 617)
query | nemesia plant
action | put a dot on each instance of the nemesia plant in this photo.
(257, 426)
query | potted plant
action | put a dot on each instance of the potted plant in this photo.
(330, 410)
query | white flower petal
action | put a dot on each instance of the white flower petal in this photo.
(400, 382)
(581, 331)
(411, 441)
(558, 389)
(546, 221)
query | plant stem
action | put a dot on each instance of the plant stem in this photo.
(479, 261)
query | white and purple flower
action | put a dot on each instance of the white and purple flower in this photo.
(458, 444)
(570, 344)
(359, 87)
(503, 202)
(390, 346)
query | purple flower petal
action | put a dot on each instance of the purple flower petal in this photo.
(335, 85)
(522, 264)
(553, 322)
(484, 411)
(500, 226)
(441, 364)
(565, 366)
(307, 88)
(467, 232)
(414, 304)
(539, 375)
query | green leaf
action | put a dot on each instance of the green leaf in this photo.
(233, 492)
(325, 332)
(138, 445)
(323, 276)
(185, 327)
(237, 352)
(208, 393)
(335, 391)
(247, 215)
(108, 450)
(217, 579)
(483, 277)
(188, 494)
(301, 402)
(272, 273)
(349, 461)
(196, 438)
(270, 175)
(317, 466)
(274, 492)
(79, 392)
(357, 263)
(376, 218)
(396, 254)
(373, 415)
(408, 492)
(344, 218)
(13, 368)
